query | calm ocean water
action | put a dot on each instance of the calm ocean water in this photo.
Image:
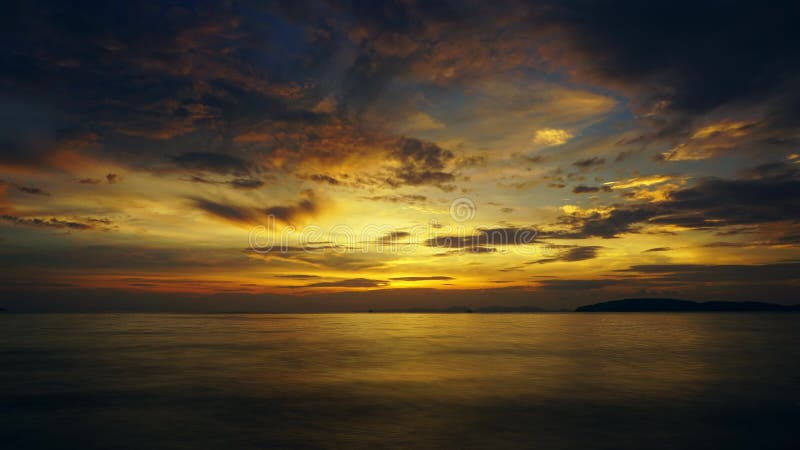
(548, 381)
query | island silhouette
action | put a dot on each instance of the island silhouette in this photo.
(675, 305)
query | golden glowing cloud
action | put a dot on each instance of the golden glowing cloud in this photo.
(551, 136)
(733, 129)
(638, 181)
(709, 141)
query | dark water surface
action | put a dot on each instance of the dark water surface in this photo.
(164, 381)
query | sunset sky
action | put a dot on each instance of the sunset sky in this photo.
(324, 155)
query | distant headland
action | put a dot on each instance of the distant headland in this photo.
(674, 305)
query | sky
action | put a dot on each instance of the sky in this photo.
(349, 155)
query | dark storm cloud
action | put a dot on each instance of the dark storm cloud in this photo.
(228, 212)
(31, 140)
(589, 189)
(303, 208)
(677, 61)
(696, 56)
(710, 204)
(618, 221)
(421, 163)
(160, 71)
(245, 183)
(573, 254)
(773, 170)
(486, 237)
(142, 71)
(291, 213)
(213, 163)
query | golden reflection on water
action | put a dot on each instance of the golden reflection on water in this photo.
(400, 380)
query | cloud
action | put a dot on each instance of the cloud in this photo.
(693, 273)
(669, 64)
(213, 163)
(711, 203)
(245, 183)
(709, 141)
(297, 276)
(88, 224)
(326, 92)
(421, 163)
(405, 198)
(574, 254)
(479, 250)
(33, 191)
(229, 212)
(644, 181)
(589, 162)
(304, 208)
(350, 283)
(547, 137)
(483, 239)
(322, 178)
(773, 170)
(394, 236)
(534, 159)
(657, 249)
(252, 137)
(433, 278)
(580, 284)
(589, 189)
(210, 74)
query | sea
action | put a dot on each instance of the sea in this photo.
(429, 381)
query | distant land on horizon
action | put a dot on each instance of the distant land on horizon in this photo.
(675, 305)
(623, 305)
